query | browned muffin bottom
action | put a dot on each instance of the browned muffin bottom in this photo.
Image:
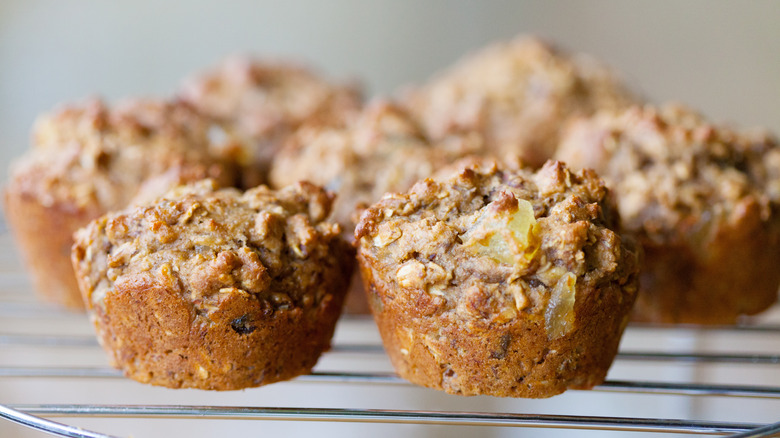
(216, 289)
(361, 158)
(703, 202)
(263, 102)
(504, 283)
(87, 159)
(515, 96)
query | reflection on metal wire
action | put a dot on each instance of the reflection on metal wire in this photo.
(392, 416)
(47, 426)
(635, 387)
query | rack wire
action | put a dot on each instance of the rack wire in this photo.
(736, 367)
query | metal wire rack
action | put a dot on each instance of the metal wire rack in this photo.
(666, 380)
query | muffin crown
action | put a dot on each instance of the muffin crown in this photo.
(497, 245)
(90, 155)
(212, 243)
(516, 95)
(259, 94)
(669, 167)
(263, 102)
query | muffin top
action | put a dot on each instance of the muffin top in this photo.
(90, 155)
(381, 150)
(674, 173)
(264, 101)
(209, 244)
(516, 95)
(498, 245)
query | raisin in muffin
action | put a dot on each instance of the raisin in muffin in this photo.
(702, 201)
(504, 283)
(263, 102)
(87, 159)
(361, 158)
(515, 96)
(216, 289)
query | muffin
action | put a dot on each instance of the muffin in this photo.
(263, 102)
(515, 96)
(700, 198)
(216, 289)
(503, 283)
(87, 159)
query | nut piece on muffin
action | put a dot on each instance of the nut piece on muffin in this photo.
(702, 200)
(515, 96)
(503, 283)
(87, 159)
(216, 289)
(263, 102)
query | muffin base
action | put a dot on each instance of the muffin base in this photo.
(156, 336)
(44, 236)
(735, 273)
(511, 359)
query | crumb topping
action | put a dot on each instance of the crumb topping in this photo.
(211, 244)
(492, 244)
(515, 95)
(90, 154)
(263, 102)
(668, 165)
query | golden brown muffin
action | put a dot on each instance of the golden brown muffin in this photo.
(216, 289)
(702, 201)
(504, 283)
(515, 95)
(263, 102)
(377, 151)
(87, 159)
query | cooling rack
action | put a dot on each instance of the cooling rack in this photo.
(666, 381)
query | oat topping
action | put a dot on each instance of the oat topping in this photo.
(487, 242)
(209, 244)
(669, 164)
(92, 155)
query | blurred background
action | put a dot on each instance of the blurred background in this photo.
(720, 57)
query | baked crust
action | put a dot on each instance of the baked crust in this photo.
(87, 159)
(263, 102)
(515, 96)
(216, 289)
(702, 201)
(504, 283)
